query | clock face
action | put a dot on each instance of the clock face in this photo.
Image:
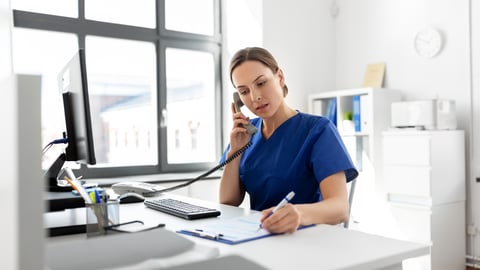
(428, 42)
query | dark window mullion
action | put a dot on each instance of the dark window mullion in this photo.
(87, 27)
(161, 78)
(81, 9)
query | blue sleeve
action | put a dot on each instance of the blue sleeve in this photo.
(330, 155)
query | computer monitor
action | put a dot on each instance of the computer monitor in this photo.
(72, 82)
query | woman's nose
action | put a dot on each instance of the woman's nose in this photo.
(256, 96)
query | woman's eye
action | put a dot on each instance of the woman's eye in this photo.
(261, 83)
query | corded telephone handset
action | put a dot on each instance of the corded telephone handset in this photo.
(147, 189)
(251, 129)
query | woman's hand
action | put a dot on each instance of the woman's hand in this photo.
(284, 220)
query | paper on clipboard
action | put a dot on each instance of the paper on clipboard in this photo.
(231, 231)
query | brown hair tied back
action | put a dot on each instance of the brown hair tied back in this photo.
(255, 54)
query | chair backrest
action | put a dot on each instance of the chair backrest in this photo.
(351, 192)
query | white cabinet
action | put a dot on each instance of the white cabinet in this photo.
(424, 173)
(364, 146)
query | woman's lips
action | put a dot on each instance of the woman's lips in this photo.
(261, 107)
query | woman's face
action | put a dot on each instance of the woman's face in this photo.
(260, 89)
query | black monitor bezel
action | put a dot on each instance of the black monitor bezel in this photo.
(78, 121)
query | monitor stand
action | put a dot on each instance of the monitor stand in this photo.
(52, 174)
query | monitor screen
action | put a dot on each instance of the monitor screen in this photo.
(72, 83)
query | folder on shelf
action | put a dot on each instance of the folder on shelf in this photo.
(231, 231)
(332, 110)
(357, 117)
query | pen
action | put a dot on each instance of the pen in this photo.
(75, 183)
(281, 204)
(202, 233)
(72, 184)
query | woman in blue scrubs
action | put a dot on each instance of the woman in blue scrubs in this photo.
(292, 151)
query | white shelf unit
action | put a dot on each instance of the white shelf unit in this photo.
(363, 146)
(425, 182)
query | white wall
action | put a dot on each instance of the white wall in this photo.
(8, 226)
(313, 49)
(379, 30)
(300, 35)
(242, 25)
(474, 190)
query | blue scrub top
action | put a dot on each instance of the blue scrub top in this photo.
(301, 152)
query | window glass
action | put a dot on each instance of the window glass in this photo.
(190, 106)
(47, 58)
(137, 13)
(67, 8)
(122, 86)
(190, 16)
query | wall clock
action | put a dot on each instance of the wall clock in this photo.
(428, 42)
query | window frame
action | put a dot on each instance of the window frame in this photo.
(162, 39)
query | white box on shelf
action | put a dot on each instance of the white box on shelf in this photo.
(426, 114)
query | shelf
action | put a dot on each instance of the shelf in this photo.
(364, 146)
(356, 134)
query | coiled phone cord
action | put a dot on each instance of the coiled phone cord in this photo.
(228, 160)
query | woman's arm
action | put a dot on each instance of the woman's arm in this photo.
(231, 191)
(333, 209)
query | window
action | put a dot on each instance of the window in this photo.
(122, 86)
(137, 13)
(190, 84)
(153, 76)
(197, 18)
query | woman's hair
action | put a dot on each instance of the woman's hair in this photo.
(255, 54)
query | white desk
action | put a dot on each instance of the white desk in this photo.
(321, 246)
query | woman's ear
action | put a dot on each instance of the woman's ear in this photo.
(281, 77)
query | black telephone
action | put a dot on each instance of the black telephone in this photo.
(251, 129)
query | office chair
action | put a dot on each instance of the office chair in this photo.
(351, 192)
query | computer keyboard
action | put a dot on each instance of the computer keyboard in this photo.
(181, 209)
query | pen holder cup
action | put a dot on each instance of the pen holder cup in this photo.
(100, 216)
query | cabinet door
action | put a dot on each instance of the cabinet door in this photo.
(413, 222)
(409, 180)
(406, 150)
